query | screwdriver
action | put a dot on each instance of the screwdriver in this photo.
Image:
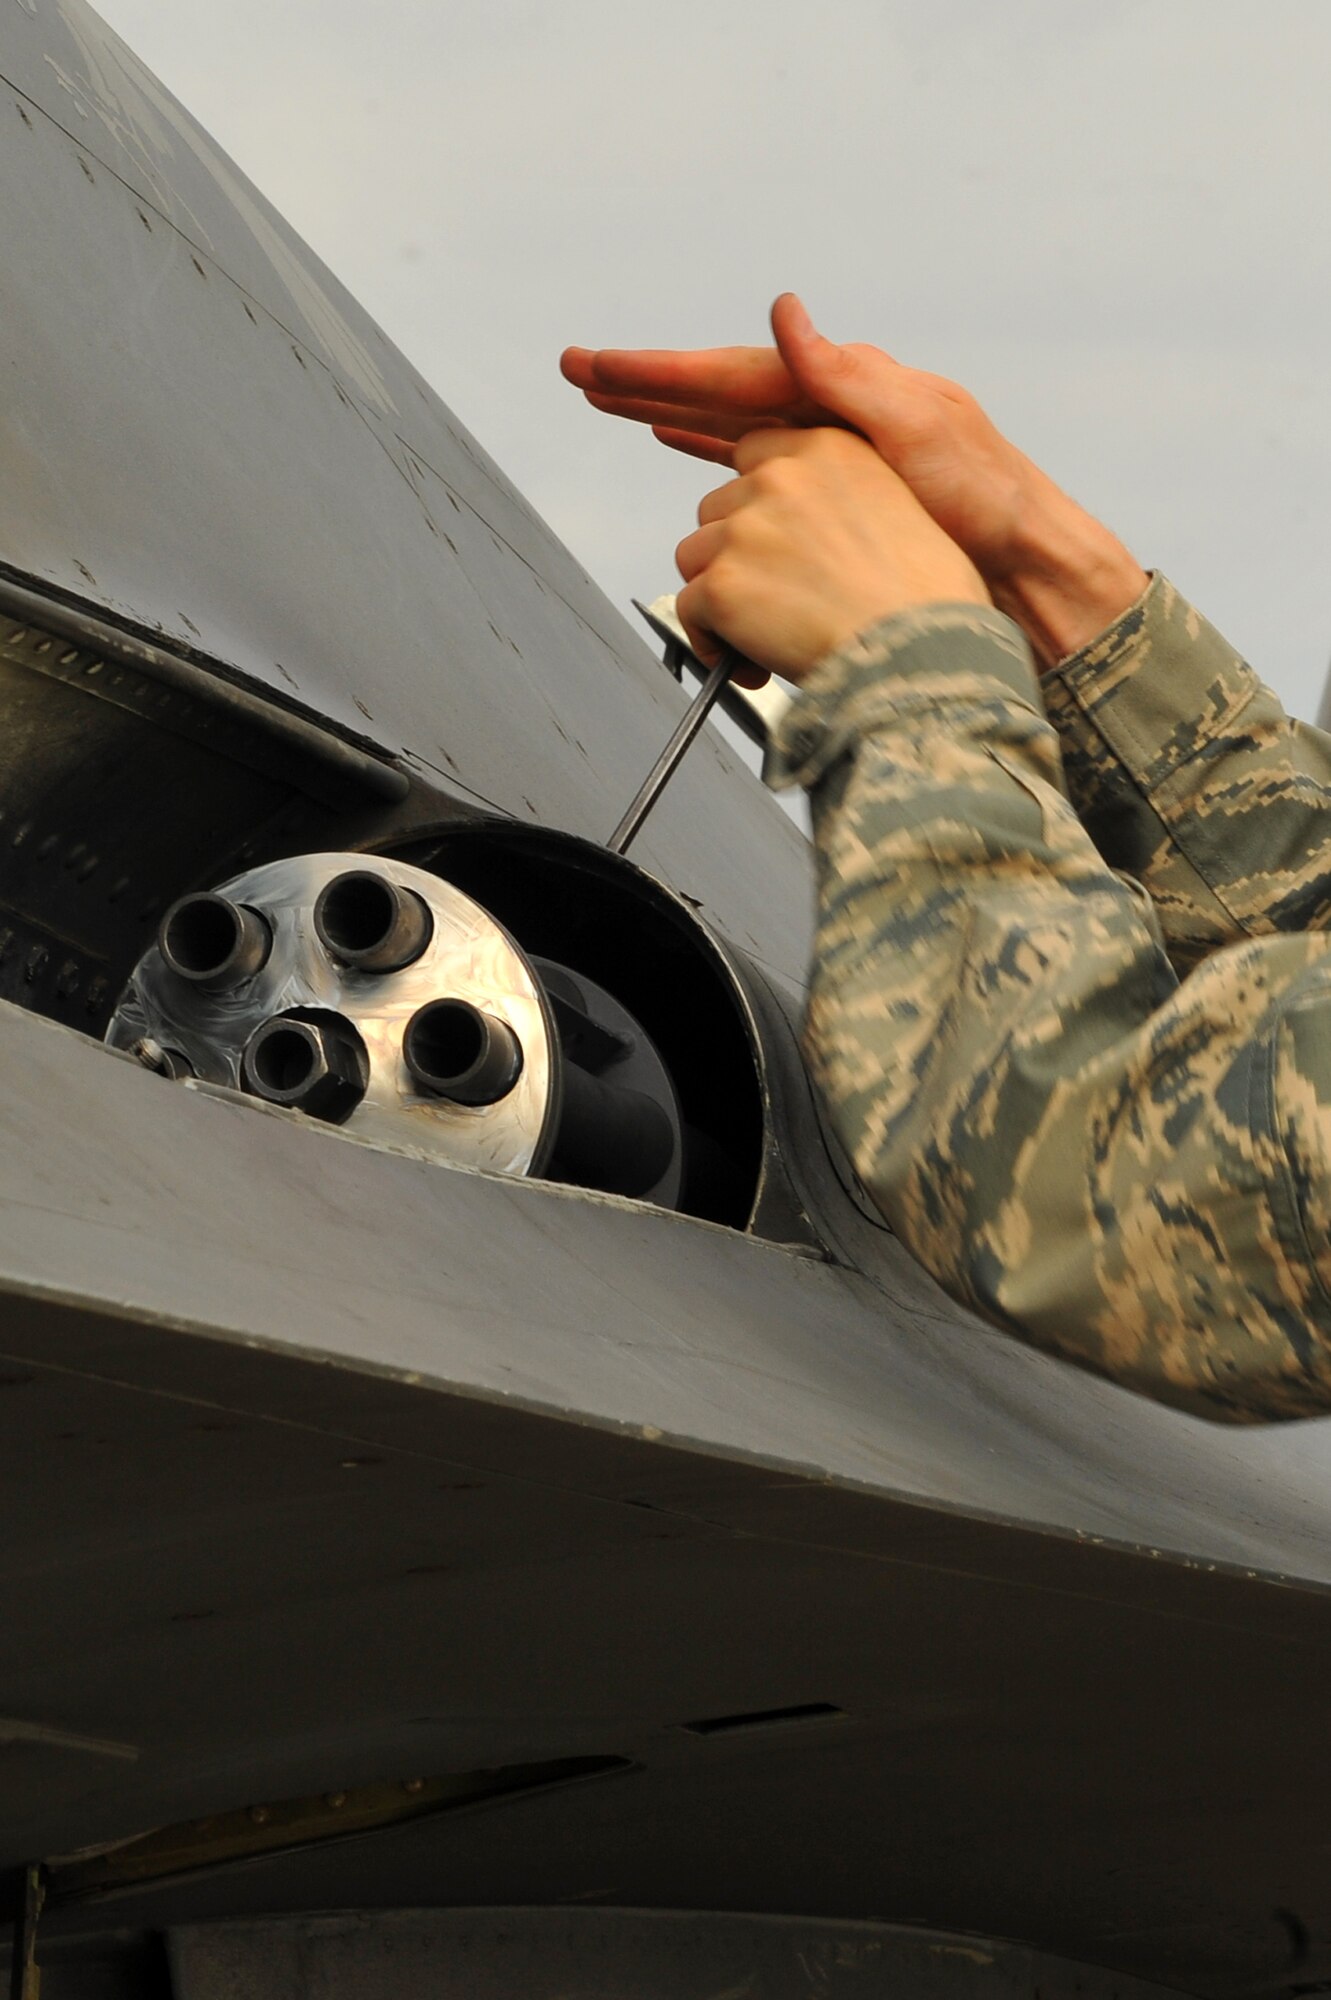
(684, 732)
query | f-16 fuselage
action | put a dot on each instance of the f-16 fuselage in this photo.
(468, 1446)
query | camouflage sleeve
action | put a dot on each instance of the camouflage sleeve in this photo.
(1188, 774)
(1131, 1172)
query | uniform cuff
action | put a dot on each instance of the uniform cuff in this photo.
(1157, 686)
(937, 656)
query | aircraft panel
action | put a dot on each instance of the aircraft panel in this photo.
(342, 1469)
(206, 462)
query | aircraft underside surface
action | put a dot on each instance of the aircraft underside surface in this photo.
(497, 1544)
(489, 1508)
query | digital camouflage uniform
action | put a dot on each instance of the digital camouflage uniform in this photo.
(1098, 1109)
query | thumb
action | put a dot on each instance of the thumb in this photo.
(821, 369)
(852, 383)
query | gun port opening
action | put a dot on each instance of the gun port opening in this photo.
(574, 906)
(371, 923)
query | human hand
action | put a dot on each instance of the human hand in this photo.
(958, 465)
(816, 539)
(1048, 563)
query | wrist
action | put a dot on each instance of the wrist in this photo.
(1066, 577)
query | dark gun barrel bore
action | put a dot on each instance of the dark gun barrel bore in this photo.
(371, 923)
(313, 1062)
(455, 1051)
(212, 942)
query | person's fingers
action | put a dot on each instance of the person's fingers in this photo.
(863, 386)
(838, 452)
(697, 550)
(717, 451)
(718, 423)
(746, 673)
(723, 501)
(757, 447)
(752, 377)
(691, 610)
(575, 365)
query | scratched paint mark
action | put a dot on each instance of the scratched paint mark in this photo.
(28, 6)
(149, 126)
(107, 95)
(69, 87)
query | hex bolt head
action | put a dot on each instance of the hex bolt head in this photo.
(312, 1061)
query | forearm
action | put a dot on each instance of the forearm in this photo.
(1062, 575)
(1070, 1141)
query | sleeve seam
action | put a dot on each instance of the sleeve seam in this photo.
(1289, 1188)
(1138, 746)
(1168, 811)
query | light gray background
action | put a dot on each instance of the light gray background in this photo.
(1107, 217)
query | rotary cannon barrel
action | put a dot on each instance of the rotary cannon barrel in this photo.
(313, 1062)
(212, 942)
(461, 1053)
(372, 923)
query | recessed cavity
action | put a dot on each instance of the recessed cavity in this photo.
(285, 1059)
(356, 913)
(570, 905)
(450, 1040)
(201, 936)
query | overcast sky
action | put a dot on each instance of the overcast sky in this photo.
(1107, 217)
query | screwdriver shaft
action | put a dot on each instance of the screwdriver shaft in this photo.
(659, 776)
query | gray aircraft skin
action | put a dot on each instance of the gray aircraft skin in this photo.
(419, 1579)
